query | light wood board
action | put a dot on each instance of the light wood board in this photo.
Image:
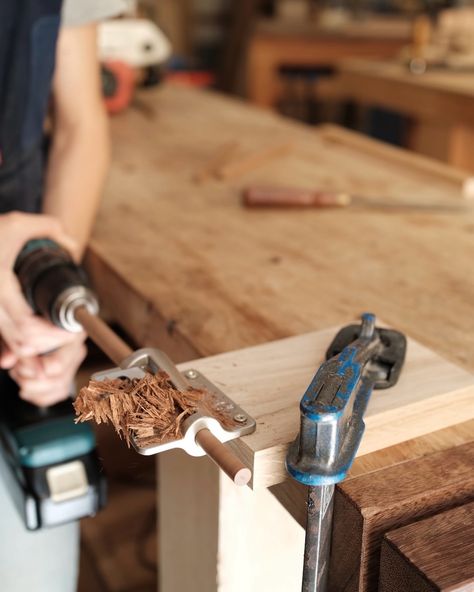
(268, 381)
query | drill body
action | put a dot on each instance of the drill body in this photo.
(54, 475)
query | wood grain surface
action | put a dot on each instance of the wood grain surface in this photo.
(187, 267)
(370, 505)
(433, 555)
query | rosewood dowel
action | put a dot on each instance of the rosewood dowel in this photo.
(103, 336)
(117, 350)
(223, 457)
(293, 197)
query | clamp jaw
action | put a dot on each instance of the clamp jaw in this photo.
(238, 423)
(361, 358)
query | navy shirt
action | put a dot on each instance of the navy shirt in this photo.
(28, 37)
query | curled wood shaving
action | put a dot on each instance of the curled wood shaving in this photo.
(150, 407)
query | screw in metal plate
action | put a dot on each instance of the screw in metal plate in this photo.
(240, 418)
(191, 374)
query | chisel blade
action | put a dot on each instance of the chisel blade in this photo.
(361, 201)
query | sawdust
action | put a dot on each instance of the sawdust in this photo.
(150, 407)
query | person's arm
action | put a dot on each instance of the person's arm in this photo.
(75, 175)
(79, 155)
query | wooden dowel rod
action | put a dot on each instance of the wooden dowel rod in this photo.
(103, 336)
(117, 350)
(223, 457)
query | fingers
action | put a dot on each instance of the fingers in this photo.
(47, 380)
(29, 368)
(34, 336)
(25, 334)
(15, 316)
(7, 358)
(17, 228)
(44, 337)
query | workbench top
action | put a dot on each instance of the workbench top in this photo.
(186, 267)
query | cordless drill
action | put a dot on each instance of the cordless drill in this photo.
(54, 475)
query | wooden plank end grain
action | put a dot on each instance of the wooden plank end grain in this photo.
(432, 555)
(375, 503)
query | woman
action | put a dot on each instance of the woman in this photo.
(48, 58)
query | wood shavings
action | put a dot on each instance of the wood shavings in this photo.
(151, 407)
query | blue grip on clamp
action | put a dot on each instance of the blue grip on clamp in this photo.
(333, 406)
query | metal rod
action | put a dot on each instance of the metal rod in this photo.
(318, 538)
(117, 350)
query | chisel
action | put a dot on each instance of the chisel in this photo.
(292, 197)
(361, 358)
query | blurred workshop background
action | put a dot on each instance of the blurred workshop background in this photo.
(397, 70)
(319, 61)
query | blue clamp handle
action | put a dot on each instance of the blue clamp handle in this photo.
(333, 406)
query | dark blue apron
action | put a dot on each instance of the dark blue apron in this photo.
(28, 36)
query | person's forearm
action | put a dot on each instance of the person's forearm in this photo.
(77, 167)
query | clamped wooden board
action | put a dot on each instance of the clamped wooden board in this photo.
(268, 382)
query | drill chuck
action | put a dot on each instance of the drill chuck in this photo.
(53, 284)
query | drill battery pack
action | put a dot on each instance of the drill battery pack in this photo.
(53, 471)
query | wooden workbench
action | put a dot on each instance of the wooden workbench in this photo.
(278, 43)
(441, 104)
(184, 267)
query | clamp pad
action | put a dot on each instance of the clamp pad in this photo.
(389, 360)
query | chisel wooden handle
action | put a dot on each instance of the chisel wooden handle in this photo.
(293, 197)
